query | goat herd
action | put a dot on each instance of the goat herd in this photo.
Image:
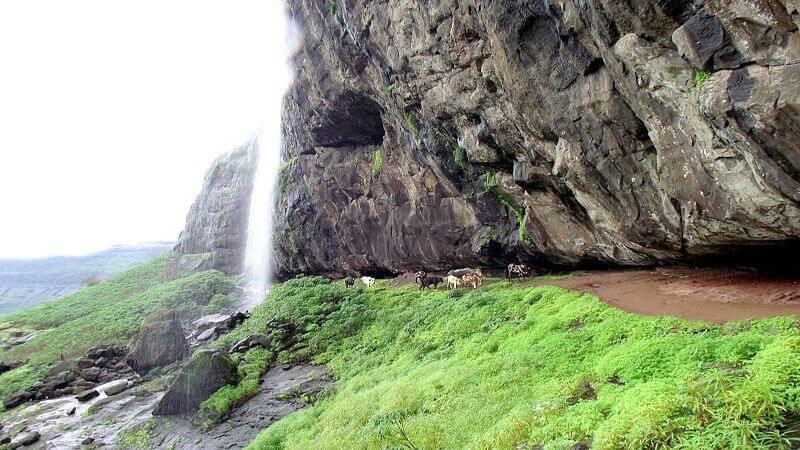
(459, 277)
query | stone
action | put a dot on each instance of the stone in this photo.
(88, 441)
(252, 341)
(207, 334)
(18, 398)
(83, 363)
(206, 372)
(102, 362)
(5, 440)
(24, 439)
(71, 411)
(7, 366)
(86, 395)
(157, 344)
(91, 374)
(116, 387)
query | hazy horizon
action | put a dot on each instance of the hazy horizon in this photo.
(112, 114)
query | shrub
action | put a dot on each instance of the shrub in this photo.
(378, 162)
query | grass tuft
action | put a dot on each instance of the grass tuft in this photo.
(700, 77)
(376, 166)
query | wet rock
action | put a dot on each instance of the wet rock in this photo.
(157, 344)
(5, 440)
(71, 411)
(7, 366)
(102, 362)
(91, 374)
(88, 441)
(252, 341)
(207, 334)
(24, 439)
(86, 395)
(201, 376)
(116, 387)
(83, 363)
(18, 398)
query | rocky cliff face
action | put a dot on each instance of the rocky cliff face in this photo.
(443, 133)
(215, 234)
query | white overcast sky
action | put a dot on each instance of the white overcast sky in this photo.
(111, 112)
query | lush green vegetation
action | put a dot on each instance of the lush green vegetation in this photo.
(460, 157)
(252, 365)
(107, 313)
(378, 162)
(285, 174)
(31, 282)
(412, 124)
(491, 186)
(509, 366)
(700, 77)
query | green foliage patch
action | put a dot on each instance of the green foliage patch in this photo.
(491, 186)
(700, 77)
(252, 365)
(378, 162)
(412, 124)
(107, 313)
(507, 366)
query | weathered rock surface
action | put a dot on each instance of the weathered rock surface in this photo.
(216, 228)
(207, 371)
(566, 131)
(157, 344)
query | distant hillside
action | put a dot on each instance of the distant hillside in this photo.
(30, 282)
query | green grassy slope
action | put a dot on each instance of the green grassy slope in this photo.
(510, 367)
(107, 313)
(30, 282)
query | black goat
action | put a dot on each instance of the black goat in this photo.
(349, 282)
(428, 282)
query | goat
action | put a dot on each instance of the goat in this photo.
(466, 271)
(453, 282)
(349, 282)
(428, 282)
(420, 275)
(517, 269)
(475, 280)
(368, 281)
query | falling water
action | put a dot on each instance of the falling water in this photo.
(266, 157)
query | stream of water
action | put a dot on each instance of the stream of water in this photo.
(258, 263)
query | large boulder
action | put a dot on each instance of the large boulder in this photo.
(206, 372)
(159, 343)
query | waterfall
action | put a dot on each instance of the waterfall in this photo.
(265, 153)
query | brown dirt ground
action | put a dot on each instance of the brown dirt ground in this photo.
(711, 294)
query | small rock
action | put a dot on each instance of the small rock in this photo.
(91, 374)
(207, 371)
(25, 439)
(5, 440)
(87, 395)
(116, 387)
(71, 411)
(101, 362)
(206, 334)
(88, 441)
(18, 398)
(157, 344)
(84, 363)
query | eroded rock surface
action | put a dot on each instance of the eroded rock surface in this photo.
(439, 134)
(207, 371)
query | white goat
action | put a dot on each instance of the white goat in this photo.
(453, 282)
(368, 281)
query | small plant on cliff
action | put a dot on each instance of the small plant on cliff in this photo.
(412, 124)
(491, 186)
(332, 7)
(92, 280)
(460, 157)
(376, 166)
(390, 88)
(285, 174)
(700, 77)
